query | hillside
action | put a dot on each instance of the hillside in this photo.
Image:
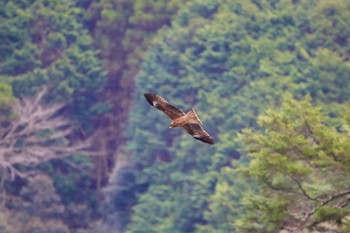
(83, 151)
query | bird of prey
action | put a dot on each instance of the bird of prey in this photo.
(189, 121)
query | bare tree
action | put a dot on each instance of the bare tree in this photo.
(37, 134)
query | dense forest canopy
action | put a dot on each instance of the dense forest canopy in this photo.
(44, 45)
(82, 151)
(231, 61)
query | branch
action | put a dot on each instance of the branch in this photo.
(311, 133)
(343, 203)
(325, 202)
(303, 190)
(37, 134)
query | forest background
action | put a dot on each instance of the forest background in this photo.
(82, 151)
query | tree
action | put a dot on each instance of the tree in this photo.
(36, 135)
(300, 163)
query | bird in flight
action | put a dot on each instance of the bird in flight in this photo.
(189, 121)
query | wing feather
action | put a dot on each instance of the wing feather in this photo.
(198, 133)
(163, 105)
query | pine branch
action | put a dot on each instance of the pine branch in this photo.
(303, 190)
(343, 203)
(323, 203)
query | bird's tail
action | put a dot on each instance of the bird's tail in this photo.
(192, 117)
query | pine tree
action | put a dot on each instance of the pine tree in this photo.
(300, 164)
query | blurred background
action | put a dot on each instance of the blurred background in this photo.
(82, 151)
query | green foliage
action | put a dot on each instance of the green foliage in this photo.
(231, 60)
(224, 203)
(122, 31)
(43, 43)
(255, 207)
(327, 213)
(6, 99)
(300, 164)
(46, 45)
(65, 177)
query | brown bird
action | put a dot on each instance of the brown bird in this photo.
(189, 121)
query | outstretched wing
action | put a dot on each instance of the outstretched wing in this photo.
(163, 105)
(198, 133)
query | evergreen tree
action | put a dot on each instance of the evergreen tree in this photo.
(300, 163)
